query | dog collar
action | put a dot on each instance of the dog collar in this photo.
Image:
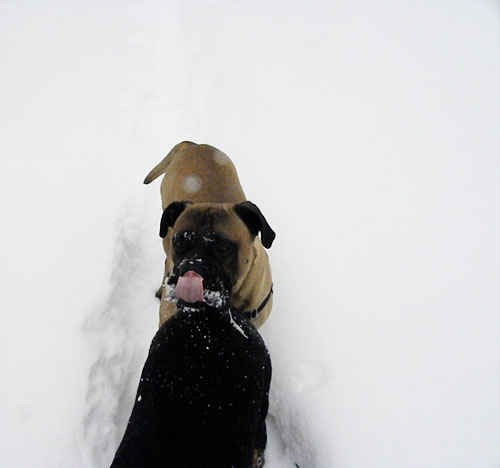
(251, 314)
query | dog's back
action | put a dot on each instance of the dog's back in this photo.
(199, 173)
(203, 396)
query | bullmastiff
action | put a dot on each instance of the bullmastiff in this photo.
(204, 204)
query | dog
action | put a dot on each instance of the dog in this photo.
(207, 177)
(203, 395)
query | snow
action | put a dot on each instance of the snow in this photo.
(169, 295)
(366, 132)
(221, 158)
(213, 298)
(192, 184)
(235, 325)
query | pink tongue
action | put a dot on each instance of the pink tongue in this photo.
(190, 287)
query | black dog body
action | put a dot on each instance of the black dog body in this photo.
(203, 395)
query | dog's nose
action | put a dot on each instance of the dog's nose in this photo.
(196, 264)
(192, 263)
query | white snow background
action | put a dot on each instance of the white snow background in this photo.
(368, 134)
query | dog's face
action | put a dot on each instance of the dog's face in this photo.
(212, 248)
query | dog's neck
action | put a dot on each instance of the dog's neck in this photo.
(206, 313)
(203, 309)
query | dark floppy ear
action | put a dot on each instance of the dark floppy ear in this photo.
(255, 221)
(170, 215)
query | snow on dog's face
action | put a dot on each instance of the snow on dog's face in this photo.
(205, 260)
(194, 290)
(206, 254)
(211, 245)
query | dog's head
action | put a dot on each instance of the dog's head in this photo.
(211, 246)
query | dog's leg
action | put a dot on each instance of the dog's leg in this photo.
(261, 437)
(258, 459)
(167, 307)
(260, 446)
(159, 293)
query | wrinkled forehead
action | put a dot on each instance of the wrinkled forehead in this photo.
(208, 219)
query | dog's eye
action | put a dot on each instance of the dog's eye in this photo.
(179, 244)
(223, 249)
(182, 241)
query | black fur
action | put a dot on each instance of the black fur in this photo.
(203, 395)
(256, 222)
(170, 215)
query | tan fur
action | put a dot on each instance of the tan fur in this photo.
(204, 175)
